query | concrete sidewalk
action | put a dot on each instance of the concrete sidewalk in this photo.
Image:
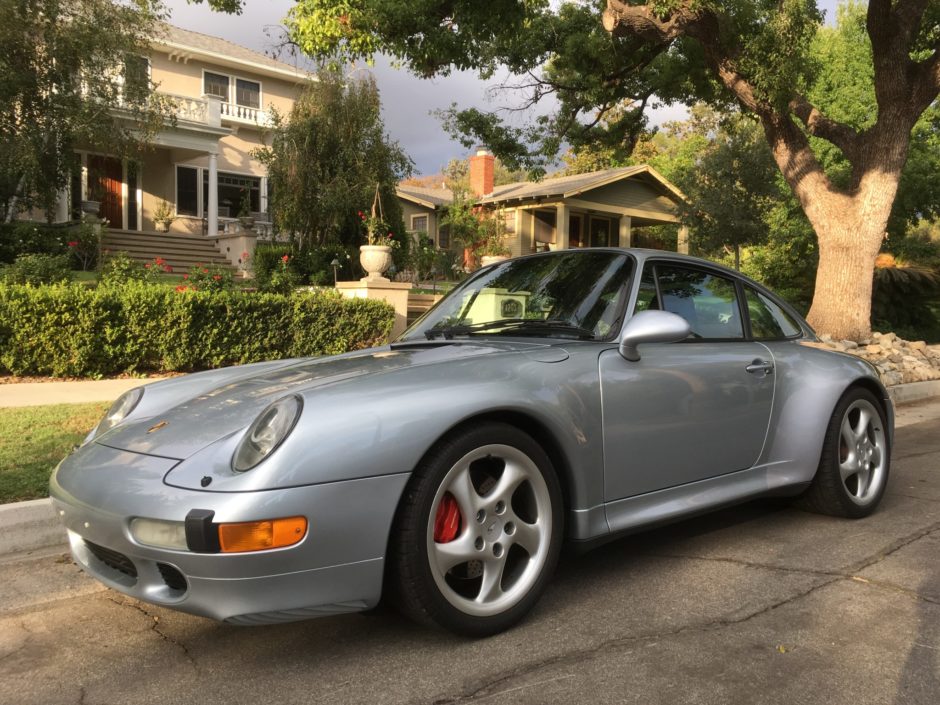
(42, 393)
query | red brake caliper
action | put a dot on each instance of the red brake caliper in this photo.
(447, 520)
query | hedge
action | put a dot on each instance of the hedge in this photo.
(70, 330)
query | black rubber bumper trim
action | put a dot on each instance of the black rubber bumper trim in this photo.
(202, 535)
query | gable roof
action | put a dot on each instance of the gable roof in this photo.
(427, 197)
(575, 185)
(183, 42)
(557, 187)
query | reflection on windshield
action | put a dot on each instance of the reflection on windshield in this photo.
(577, 293)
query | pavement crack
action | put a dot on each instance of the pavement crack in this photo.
(491, 687)
(894, 587)
(750, 564)
(496, 685)
(155, 627)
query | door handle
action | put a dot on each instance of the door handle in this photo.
(760, 366)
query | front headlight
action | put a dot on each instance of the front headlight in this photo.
(119, 410)
(267, 432)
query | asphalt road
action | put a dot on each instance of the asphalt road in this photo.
(758, 604)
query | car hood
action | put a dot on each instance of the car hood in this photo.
(193, 424)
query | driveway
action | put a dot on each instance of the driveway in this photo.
(757, 604)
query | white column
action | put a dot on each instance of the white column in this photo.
(626, 234)
(62, 205)
(562, 236)
(213, 206)
(263, 204)
(683, 243)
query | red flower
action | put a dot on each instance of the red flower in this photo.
(147, 266)
(285, 258)
(182, 287)
(205, 271)
(216, 277)
(160, 260)
(167, 268)
(245, 255)
(361, 215)
(185, 276)
(73, 243)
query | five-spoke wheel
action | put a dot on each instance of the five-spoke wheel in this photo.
(487, 506)
(853, 469)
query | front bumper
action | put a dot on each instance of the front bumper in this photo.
(336, 568)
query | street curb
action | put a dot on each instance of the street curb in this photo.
(914, 391)
(27, 526)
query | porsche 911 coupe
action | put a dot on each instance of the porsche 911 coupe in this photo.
(563, 397)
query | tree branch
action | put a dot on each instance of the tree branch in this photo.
(819, 125)
(624, 20)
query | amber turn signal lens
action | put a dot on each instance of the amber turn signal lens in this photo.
(261, 535)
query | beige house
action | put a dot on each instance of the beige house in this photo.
(599, 209)
(203, 165)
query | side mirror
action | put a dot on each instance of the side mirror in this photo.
(652, 327)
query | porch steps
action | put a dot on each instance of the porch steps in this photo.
(418, 305)
(181, 252)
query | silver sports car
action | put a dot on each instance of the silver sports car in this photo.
(560, 397)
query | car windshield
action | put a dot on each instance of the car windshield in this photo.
(573, 294)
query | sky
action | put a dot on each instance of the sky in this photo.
(407, 102)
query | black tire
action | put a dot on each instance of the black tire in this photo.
(829, 492)
(443, 597)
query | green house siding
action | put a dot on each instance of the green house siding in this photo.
(631, 194)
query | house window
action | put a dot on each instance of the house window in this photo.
(419, 223)
(136, 77)
(215, 84)
(443, 237)
(600, 232)
(186, 191)
(248, 93)
(233, 188)
(509, 222)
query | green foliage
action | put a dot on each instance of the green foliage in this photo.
(36, 270)
(70, 330)
(906, 300)
(326, 159)
(119, 269)
(63, 64)
(28, 237)
(210, 277)
(84, 246)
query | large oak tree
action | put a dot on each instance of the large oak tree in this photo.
(593, 56)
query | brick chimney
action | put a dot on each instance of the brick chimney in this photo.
(482, 166)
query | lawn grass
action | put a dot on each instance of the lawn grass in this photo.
(33, 439)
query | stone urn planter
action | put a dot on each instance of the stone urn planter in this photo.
(486, 260)
(375, 259)
(91, 207)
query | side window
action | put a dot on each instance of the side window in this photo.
(646, 299)
(707, 301)
(768, 320)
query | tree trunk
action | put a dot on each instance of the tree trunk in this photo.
(850, 236)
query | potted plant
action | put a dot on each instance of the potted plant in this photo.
(376, 255)
(163, 216)
(244, 210)
(492, 248)
(93, 196)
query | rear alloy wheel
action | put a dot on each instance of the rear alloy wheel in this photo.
(853, 469)
(479, 531)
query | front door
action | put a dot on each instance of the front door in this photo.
(685, 411)
(105, 183)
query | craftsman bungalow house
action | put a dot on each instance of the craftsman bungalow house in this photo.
(598, 209)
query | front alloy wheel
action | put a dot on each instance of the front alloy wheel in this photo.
(488, 507)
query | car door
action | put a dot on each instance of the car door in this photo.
(691, 410)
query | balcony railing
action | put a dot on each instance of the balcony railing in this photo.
(243, 114)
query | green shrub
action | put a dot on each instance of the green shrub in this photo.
(27, 237)
(38, 269)
(119, 269)
(211, 277)
(266, 259)
(84, 243)
(310, 264)
(76, 331)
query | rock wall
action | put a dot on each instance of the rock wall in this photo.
(897, 361)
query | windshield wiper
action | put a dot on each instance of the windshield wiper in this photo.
(516, 326)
